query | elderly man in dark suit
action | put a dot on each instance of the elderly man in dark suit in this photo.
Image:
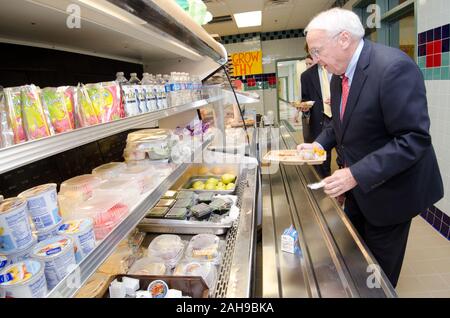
(380, 126)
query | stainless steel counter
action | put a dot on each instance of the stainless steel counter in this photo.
(334, 261)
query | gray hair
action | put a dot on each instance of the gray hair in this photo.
(337, 20)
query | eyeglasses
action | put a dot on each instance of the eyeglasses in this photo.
(315, 53)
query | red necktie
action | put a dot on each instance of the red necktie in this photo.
(345, 92)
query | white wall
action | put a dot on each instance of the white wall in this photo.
(432, 14)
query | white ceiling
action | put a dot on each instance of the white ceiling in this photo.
(294, 14)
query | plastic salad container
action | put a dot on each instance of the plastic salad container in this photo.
(109, 170)
(128, 190)
(167, 248)
(105, 211)
(204, 247)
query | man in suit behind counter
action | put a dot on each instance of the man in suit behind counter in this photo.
(380, 127)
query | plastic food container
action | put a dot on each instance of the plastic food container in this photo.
(128, 190)
(46, 234)
(57, 253)
(205, 270)
(109, 170)
(147, 266)
(42, 205)
(81, 231)
(166, 203)
(170, 195)
(168, 248)
(221, 206)
(142, 174)
(21, 255)
(24, 280)
(204, 247)
(157, 212)
(158, 289)
(184, 203)
(201, 211)
(80, 187)
(15, 227)
(105, 211)
(177, 214)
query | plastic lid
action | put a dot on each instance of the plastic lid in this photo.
(204, 247)
(104, 210)
(167, 247)
(81, 184)
(11, 204)
(135, 171)
(109, 170)
(37, 190)
(52, 247)
(205, 270)
(147, 133)
(20, 273)
(75, 226)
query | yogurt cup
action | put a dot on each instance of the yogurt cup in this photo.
(24, 280)
(58, 255)
(82, 233)
(15, 227)
(21, 255)
(46, 234)
(42, 202)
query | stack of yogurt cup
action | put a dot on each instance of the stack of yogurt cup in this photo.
(42, 202)
(33, 264)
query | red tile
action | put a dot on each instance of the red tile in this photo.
(437, 60)
(430, 48)
(437, 46)
(430, 61)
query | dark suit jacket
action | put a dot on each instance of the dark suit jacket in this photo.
(311, 91)
(384, 137)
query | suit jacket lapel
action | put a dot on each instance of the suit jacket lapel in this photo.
(359, 78)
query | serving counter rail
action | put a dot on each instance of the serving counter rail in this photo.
(334, 261)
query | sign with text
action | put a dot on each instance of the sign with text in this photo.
(247, 63)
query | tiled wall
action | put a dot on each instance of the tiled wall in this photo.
(434, 53)
(433, 17)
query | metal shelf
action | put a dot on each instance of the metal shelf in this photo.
(79, 275)
(23, 154)
(137, 31)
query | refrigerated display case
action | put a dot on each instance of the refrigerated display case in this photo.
(163, 38)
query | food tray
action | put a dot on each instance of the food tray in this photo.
(291, 157)
(187, 185)
(193, 286)
(183, 227)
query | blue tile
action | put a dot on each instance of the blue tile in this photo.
(438, 33)
(422, 38)
(437, 224)
(444, 230)
(430, 218)
(446, 31)
(438, 213)
(446, 219)
(446, 45)
(430, 35)
(422, 50)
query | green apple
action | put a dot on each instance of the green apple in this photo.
(228, 178)
(198, 185)
(213, 181)
(230, 186)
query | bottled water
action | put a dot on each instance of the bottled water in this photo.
(134, 79)
(148, 86)
(162, 98)
(166, 79)
(120, 78)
